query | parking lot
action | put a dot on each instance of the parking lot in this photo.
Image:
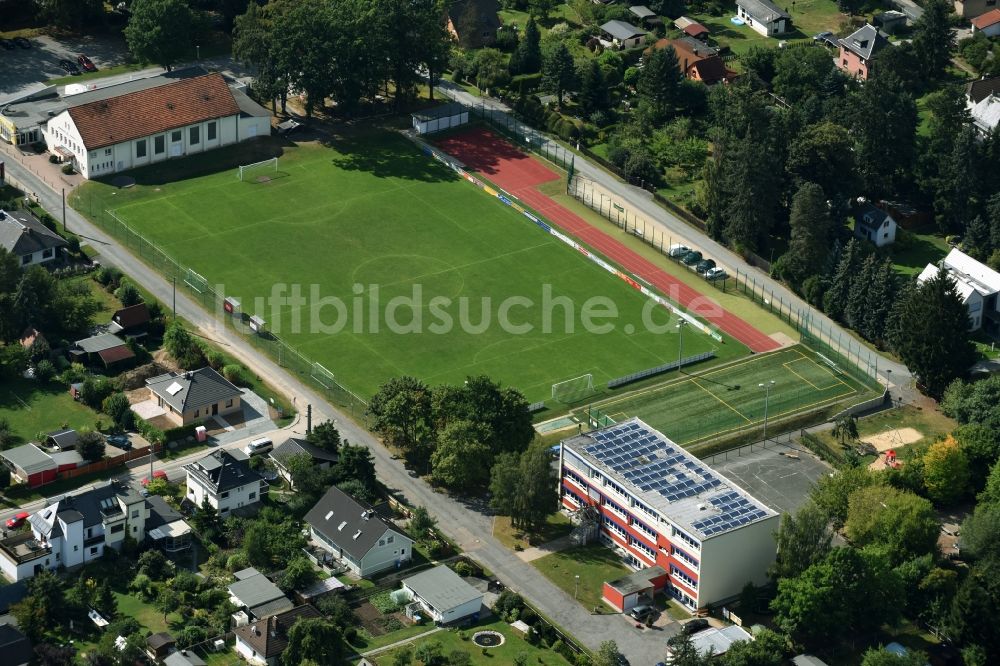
(22, 69)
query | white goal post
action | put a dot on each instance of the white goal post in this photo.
(322, 376)
(574, 389)
(262, 166)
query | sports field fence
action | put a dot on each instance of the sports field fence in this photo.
(199, 289)
(523, 135)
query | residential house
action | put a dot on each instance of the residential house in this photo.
(354, 534)
(14, 646)
(131, 124)
(716, 641)
(660, 506)
(105, 348)
(647, 17)
(889, 21)
(985, 114)
(691, 28)
(194, 396)
(166, 528)
(23, 235)
(859, 50)
(443, 595)
(972, 8)
(621, 35)
(75, 529)
(224, 481)
(988, 23)
(183, 658)
(159, 645)
(294, 446)
(978, 90)
(131, 321)
(874, 225)
(473, 23)
(764, 16)
(63, 440)
(977, 286)
(261, 643)
(30, 465)
(698, 61)
(257, 595)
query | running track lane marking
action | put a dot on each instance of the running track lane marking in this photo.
(519, 174)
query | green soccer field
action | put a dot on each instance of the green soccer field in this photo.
(727, 399)
(372, 215)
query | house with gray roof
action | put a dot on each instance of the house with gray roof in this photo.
(183, 658)
(23, 235)
(63, 440)
(256, 594)
(622, 35)
(354, 534)
(874, 225)
(105, 348)
(224, 481)
(294, 446)
(75, 529)
(859, 50)
(443, 595)
(29, 464)
(193, 396)
(764, 16)
(15, 646)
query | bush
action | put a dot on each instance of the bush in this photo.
(67, 169)
(236, 374)
(108, 276)
(463, 568)
(53, 159)
(383, 603)
(45, 371)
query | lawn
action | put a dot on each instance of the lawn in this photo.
(594, 564)
(930, 423)
(145, 614)
(32, 408)
(451, 640)
(556, 526)
(402, 267)
(99, 74)
(728, 398)
(808, 18)
(912, 251)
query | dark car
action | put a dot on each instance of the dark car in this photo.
(69, 67)
(642, 612)
(691, 258)
(85, 63)
(704, 266)
(121, 441)
(22, 42)
(7, 44)
(691, 626)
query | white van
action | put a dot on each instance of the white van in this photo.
(258, 446)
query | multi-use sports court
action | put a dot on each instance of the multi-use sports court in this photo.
(520, 174)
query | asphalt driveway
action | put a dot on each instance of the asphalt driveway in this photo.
(23, 69)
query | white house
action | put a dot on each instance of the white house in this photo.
(443, 595)
(357, 536)
(23, 235)
(225, 481)
(149, 120)
(988, 23)
(874, 225)
(75, 529)
(622, 35)
(986, 114)
(764, 16)
(977, 285)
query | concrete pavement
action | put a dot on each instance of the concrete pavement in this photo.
(469, 527)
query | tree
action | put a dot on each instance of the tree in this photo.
(802, 540)
(182, 346)
(167, 601)
(824, 154)
(903, 522)
(504, 481)
(326, 436)
(527, 57)
(607, 655)
(981, 533)
(154, 564)
(981, 446)
(461, 458)
(317, 639)
(970, 619)
(558, 71)
(119, 409)
(402, 657)
(159, 31)
(91, 445)
(55, 655)
(73, 14)
(253, 41)
(882, 657)
(932, 338)
(128, 294)
(658, 84)
(799, 71)
(298, 575)
(883, 117)
(684, 653)
(811, 233)
(946, 472)
(421, 523)
(400, 412)
(846, 428)
(538, 489)
(206, 521)
(767, 648)
(541, 8)
(991, 493)
(593, 90)
(832, 493)
(356, 463)
(31, 614)
(491, 69)
(975, 403)
(932, 38)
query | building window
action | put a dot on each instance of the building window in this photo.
(135, 513)
(390, 539)
(175, 136)
(107, 151)
(134, 529)
(47, 253)
(229, 403)
(210, 132)
(381, 542)
(195, 135)
(225, 494)
(117, 528)
(253, 495)
(158, 145)
(93, 551)
(76, 548)
(140, 148)
(26, 259)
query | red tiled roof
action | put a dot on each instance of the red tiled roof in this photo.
(983, 21)
(115, 354)
(696, 29)
(145, 112)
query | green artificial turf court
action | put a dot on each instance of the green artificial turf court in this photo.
(728, 398)
(371, 215)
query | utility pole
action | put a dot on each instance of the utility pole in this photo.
(175, 296)
(767, 394)
(309, 418)
(64, 207)
(680, 343)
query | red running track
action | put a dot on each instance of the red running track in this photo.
(520, 174)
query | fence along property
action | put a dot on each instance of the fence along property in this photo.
(205, 295)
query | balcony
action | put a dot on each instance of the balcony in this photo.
(24, 548)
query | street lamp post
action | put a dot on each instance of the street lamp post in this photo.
(576, 586)
(767, 394)
(680, 342)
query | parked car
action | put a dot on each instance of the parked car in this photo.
(7, 44)
(85, 63)
(715, 274)
(158, 474)
(691, 626)
(678, 250)
(17, 521)
(22, 42)
(642, 612)
(258, 446)
(704, 266)
(69, 67)
(691, 258)
(121, 441)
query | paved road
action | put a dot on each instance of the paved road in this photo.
(466, 525)
(642, 201)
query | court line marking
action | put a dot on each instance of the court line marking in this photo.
(738, 412)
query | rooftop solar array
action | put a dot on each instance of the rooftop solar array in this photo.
(646, 459)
